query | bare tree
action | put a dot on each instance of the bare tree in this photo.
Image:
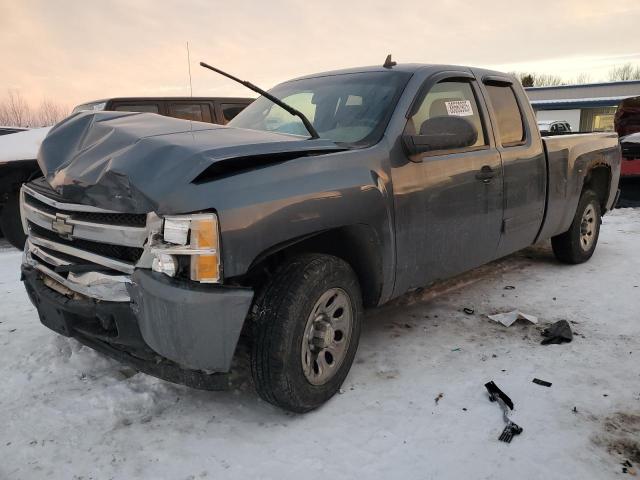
(548, 80)
(15, 111)
(624, 72)
(50, 113)
(583, 78)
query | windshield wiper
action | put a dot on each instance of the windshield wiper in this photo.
(267, 95)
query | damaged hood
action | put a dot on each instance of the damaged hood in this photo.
(130, 162)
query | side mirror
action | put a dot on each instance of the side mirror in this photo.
(441, 133)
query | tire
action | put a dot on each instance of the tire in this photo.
(10, 221)
(578, 243)
(306, 328)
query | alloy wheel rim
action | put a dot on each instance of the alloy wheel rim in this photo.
(326, 336)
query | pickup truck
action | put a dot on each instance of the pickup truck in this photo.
(553, 127)
(158, 242)
(18, 152)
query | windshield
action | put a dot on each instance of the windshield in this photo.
(351, 109)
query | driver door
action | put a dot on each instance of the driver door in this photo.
(448, 203)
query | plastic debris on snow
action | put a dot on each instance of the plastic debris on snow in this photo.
(559, 332)
(507, 319)
(506, 404)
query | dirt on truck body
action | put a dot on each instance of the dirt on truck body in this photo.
(157, 240)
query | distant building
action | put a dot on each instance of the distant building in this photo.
(588, 107)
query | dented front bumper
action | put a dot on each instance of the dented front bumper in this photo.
(175, 330)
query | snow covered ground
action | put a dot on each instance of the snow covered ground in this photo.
(68, 413)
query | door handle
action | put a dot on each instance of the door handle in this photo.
(485, 174)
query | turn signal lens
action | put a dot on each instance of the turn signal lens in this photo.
(204, 235)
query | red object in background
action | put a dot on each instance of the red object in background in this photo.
(626, 122)
(627, 118)
(630, 167)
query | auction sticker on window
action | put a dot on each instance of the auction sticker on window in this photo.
(460, 108)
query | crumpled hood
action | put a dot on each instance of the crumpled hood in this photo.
(130, 162)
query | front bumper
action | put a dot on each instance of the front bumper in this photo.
(178, 331)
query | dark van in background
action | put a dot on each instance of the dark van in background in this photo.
(198, 109)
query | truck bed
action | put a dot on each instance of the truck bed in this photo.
(569, 157)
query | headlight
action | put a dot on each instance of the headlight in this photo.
(176, 230)
(195, 240)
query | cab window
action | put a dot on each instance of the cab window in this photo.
(138, 107)
(449, 98)
(508, 115)
(230, 110)
(198, 112)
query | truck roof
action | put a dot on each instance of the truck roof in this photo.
(404, 67)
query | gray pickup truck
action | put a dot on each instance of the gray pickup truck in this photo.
(159, 241)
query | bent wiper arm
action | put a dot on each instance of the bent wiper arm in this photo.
(267, 95)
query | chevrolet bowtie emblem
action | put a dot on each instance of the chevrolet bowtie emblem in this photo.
(61, 225)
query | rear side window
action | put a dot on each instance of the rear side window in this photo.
(230, 110)
(142, 107)
(508, 114)
(199, 112)
(449, 98)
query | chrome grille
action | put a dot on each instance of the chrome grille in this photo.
(67, 239)
(124, 219)
(118, 252)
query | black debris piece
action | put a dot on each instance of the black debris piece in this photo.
(509, 287)
(542, 382)
(559, 332)
(468, 311)
(510, 431)
(497, 395)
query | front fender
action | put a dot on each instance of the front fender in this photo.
(264, 208)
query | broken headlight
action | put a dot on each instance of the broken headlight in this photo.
(191, 240)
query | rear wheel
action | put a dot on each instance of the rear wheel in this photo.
(306, 331)
(10, 221)
(578, 243)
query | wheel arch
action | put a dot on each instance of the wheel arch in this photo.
(598, 179)
(359, 245)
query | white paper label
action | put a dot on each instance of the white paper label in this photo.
(460, 108)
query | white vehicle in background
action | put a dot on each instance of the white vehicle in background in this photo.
(554, 127)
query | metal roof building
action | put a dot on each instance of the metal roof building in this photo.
(587, 107)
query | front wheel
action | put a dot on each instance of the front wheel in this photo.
(306, 331)
(578, 243)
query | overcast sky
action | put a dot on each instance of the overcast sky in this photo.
(74, 51)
